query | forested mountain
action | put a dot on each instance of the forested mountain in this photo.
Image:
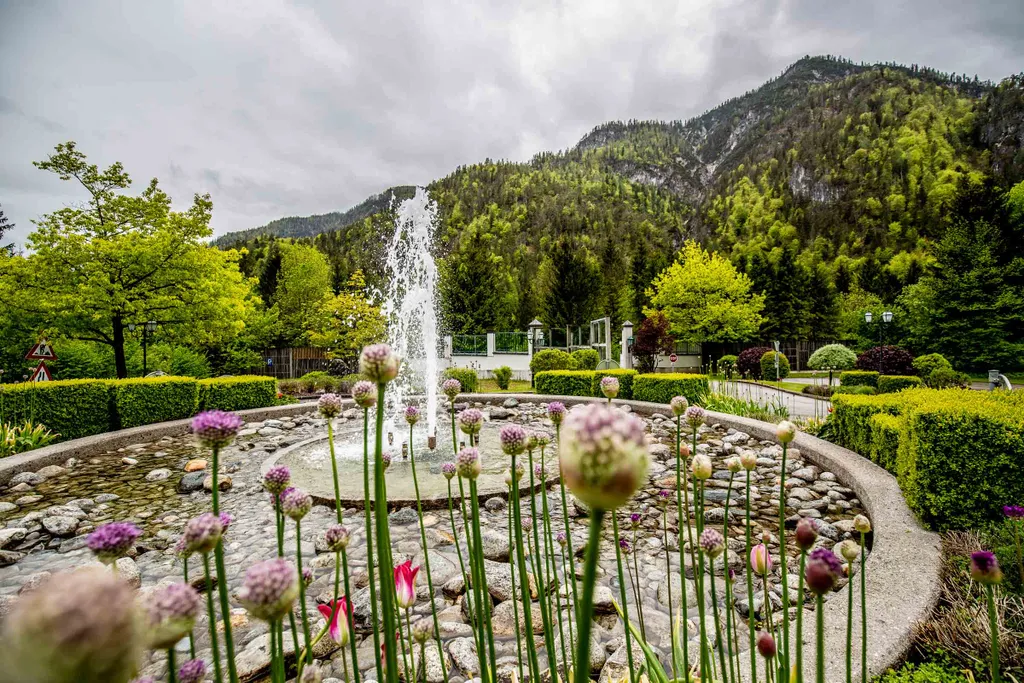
(839, 179)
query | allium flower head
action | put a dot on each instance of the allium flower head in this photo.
(519, 470)
(785, 431)
(385, 459)
(448, 469)
(694, 416)
(421, 631)
(806, 534)
(603, 455)
(307, 576)
(277, 479)
(170, 614)
(540, 439)
(733, 464)
(862, 524)
(748, 460)
(471, 421)
(701, 466)
(610, 387)
(849, 550)
(822, 571)
(561, 538)
(766, 645)
(202, 533)
(760, 560)
(985, 568)
(1014, 511)
(679, 404)
(526, 523)
(77, 626)
(378, 363)
(364, 393)
(468, 461)
(112, 540)
(329, 405)
(513, 439)
(624, 546)
(412, 414)
(508, 477)
(337, 538)
(451, 388)
(712, 542)
(664, 498)
(556, 412)
(634, 519)
(269, 589)
(296, 503)
(216, 428)
(538, 471)
(181, 548)
(192, 671)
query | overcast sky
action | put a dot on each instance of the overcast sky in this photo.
(295, 107)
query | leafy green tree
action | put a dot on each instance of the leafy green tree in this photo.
(120, 259)
(573, 288)
(5, 226)
(348, 321)
(706, 299)
(475, 284)
(303, 286)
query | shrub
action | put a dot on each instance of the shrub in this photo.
(661, 387)
(864, 378)
(503, 376)
(466, 376)
(883, 439)
(237, 393)
(586, 359)
(748, 363)
(652, 338)
(624, 376)
(564, 382)
(832, 357)
(928, 672)
(858, 389)
(888, 384)
(926, 364)
(143, 401)
(289, 387)
(188, 363)
(73, 408)
(768, 366)
(551, 359)
(818, 389)
(946, 378)
(16, 439)
(83, 360)
(318, 381)
(886, 360)
(727, 365)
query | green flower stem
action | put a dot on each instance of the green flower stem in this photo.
(273, 654)
(819, 618)
(302, 594)
(800, 622)
(475, 584)
(545, 615)
(784, 652)
(350, 617)
(993, 625)
(385, 569)
(705, 659)
(408, 628)
(369, 541)
(748, 572)
(515, 603)
(863, 613)
(849, 624)
(212, 613)
(586, 607)
(729, 636)
(1020, 552)
(718, 627)
(458, 548)
(334, 468)
(558, 607)
(484, 592)
(426, 556)
(524, 583)
(568, 541)
(279, 518)
(683, 522)
(549, 552)
(191, 636)
(222, 577)
(172, 666)
(636, 578)
(671, 610)
(622, 595)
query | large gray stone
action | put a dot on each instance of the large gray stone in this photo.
(11, 536)
(192, 481)
(60, 525)
(495, 545)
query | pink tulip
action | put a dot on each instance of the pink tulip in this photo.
(760, 560)
(337, 628)
(405, 584)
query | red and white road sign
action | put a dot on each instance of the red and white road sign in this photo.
(673, 358)
(42, 351)
(42, 373)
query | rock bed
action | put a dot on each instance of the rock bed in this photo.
(46, 514)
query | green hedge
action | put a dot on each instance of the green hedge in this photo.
(624, 376)
(237, 393)
(72, 408)
(586, 359)
(890, 384)
(551, 359)
(861, 378)
(884, 439)
(147, 400)
(662, 387)
(466, 376)
(564, 382)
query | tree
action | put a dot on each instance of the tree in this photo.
(5, 226)
(347, 322)
(303, 286)
(475, 283)
(786, 288)
(121, 259)
(573, 285)
(652, 338)
(706, 299)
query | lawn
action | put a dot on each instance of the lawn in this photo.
(516, 386)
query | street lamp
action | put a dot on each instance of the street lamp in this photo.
(886, 319)
(536, 334)
(148, 328)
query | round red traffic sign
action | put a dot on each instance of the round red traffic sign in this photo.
(673, 358)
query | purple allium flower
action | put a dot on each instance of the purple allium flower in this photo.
(226, 519)
(694, 416)
(561, 538)
(76, 626)
(609, 387)
(532, 443)
(202, 533)
(378, 363)
(538, 471)
(634, 519)
(412, 414)
(624, 546)
(679, 404)
(143, 679)
(701, 465)
(862, 524)
(296, 503)
(364, 393)
(385, 459)
(192, 671)
(806, 534)
(526, 523)
(603, 455)
(329, 405)
(337, 538)
(170, 614)
(449, 469)
(277, 479)
(823, 570)
(471, 421)
(985, 568)
(513, 439)
(451, 388)
(181, 548)
(269, 589)
(307, 576)
(664, 498)
(112, 540)
(712, 542)
(1014, 511)
(216, 428)
(556, 412)
(541, 439)
(785, 431)
(468, 461)
(766, 645)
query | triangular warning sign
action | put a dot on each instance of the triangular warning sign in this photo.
(42, 374)
(42, 351)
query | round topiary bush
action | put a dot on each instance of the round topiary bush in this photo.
(586, 359)
(887, 360)
(551, 359)
(928, 363)
(748, 363)
(768, 369)
(832, 357)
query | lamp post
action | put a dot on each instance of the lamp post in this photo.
(536, 334)
(148, 328)
(886, 319)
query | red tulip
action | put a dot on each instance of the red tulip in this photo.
(405, 584)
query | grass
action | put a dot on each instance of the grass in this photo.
(516, 386)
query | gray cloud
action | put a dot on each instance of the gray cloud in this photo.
(284, 107)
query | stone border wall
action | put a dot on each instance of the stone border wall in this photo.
(902, 570)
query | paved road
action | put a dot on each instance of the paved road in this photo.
(799, 406)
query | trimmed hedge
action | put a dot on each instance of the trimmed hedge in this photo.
(884, 439)
(890, 384)
(625, 377)
(565, 382)
(768, 367)
(72, 408)
(661, 387)
(237, 393)
(586, 359)
(551, 359)
(147, 400)
(466, 376)
(864, 378)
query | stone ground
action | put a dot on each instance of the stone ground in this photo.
(46, 514)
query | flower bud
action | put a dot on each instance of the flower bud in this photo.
(170, 614)
(469, 463)
(849, 550)
(385, 460)
(862, 524)
(379, 364)
(748, 460)
(609, 387)
(514, 439)
(448, 469)
(364, 393)
(701, 466)
(202, 533)
(216, 428)
(806, 534)
(760, 560)
(412, 414)
(766, 645)
(822, 571)
(337, 538)
(985, 568)
(329, 405)
(785, 431)
(694, 417)
(296, 503)
(471, 421)
(269, 589)
(679, 404)
(712, 543)
(277, 479)
(451, 388)
(733, 464)
(556, 412)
